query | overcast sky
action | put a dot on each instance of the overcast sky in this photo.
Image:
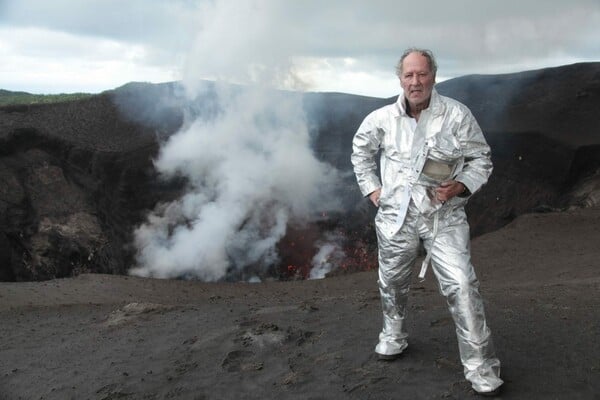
(322, 45)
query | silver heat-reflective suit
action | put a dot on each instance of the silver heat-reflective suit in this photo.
(409, 211)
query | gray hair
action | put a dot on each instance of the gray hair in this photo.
(425, 53)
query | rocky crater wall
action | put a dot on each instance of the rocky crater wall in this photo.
(77, 178)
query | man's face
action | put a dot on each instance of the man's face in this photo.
(416, 80)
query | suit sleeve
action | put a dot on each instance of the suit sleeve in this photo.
(365, 146)
(478, 163)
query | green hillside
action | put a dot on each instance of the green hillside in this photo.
(11, 98)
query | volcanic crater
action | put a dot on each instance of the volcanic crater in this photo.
(78, 177)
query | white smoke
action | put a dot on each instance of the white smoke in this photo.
(250, 167)
(328, 257)
(245, 42)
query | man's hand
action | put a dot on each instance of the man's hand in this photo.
(448, 190)
(374, 197)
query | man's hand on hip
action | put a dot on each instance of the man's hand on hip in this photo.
(374, 197)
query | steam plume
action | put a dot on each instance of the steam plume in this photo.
(250, 169)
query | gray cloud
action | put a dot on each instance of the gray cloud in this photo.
(468, 36)
(135, 20)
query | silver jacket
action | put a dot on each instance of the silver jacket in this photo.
(408, 211)
(446, 126)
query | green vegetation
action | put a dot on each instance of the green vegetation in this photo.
(12, 98)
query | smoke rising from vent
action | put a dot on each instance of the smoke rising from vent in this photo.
(249, 167)
(244, 42)
(329, 255)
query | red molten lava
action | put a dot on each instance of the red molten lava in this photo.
(300, 244)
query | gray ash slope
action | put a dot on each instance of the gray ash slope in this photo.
(76, 178)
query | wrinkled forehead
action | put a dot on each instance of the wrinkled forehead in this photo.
(415, 62)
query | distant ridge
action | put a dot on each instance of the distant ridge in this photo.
(78, 176)
(8, 97)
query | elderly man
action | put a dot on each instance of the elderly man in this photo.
(433, 158)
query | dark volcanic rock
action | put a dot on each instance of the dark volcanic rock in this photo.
(543, 128)
(76, 178)
(561, 103)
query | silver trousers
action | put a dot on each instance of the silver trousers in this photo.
(451, 264)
